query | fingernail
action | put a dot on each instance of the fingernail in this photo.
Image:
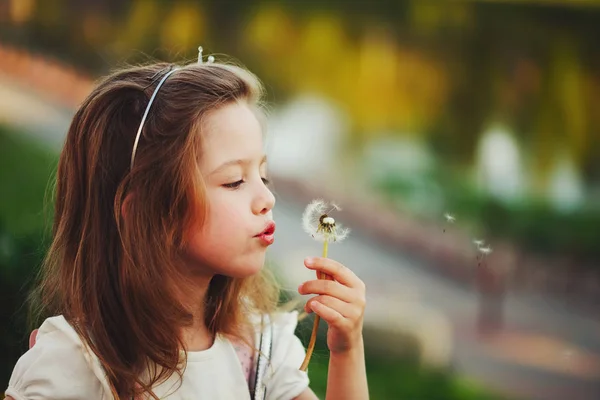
(309, 261)
(300, 288)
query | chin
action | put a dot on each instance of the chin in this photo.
(243, 272)
(244, 268)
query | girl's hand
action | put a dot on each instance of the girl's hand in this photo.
(340, 302)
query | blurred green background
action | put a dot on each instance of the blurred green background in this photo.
(487, 110)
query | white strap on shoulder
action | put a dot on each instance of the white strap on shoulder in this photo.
(264, 356)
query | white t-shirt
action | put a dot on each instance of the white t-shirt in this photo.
(60, 366)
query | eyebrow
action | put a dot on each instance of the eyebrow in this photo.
(238, 161)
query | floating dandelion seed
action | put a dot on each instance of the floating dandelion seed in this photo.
(317, 222)
(321, 226)
(450, 219)
(484, 252)
(478, 243)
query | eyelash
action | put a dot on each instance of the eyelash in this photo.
(237, 184)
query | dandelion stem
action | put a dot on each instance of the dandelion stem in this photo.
(313, 336)
(322, 275)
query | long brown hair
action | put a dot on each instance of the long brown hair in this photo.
(111, 273)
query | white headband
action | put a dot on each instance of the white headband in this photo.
(139, 132)
(211, 59)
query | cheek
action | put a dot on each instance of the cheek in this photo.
(225, 219)
(223, 234)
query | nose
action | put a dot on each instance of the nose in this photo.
(264, 201)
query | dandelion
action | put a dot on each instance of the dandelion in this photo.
(321, 226)
(318, 222)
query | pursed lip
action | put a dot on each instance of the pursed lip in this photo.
(268, 230)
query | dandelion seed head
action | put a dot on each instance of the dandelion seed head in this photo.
(478, 242)
(311, 222)
(311, 215)
(328, 220)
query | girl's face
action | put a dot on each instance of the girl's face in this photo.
(239, 203)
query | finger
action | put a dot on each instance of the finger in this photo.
(328, 314)
(346, 309)
(331, 288)
(337, 270)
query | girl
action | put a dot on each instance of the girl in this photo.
(153, 280)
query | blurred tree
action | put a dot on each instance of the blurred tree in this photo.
(441, 71)
(138, 28)
(183, 27)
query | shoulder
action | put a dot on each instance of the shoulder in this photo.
(282, 325)
(58, 366)
(283, 378)
(285, 342)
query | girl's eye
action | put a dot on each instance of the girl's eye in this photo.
(234, 185)
(266, 181)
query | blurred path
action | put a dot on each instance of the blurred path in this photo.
(546, 351)
(23, 108)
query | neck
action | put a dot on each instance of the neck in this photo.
(196, 336)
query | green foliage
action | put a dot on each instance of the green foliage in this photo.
(18, 265)
(25, 170)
